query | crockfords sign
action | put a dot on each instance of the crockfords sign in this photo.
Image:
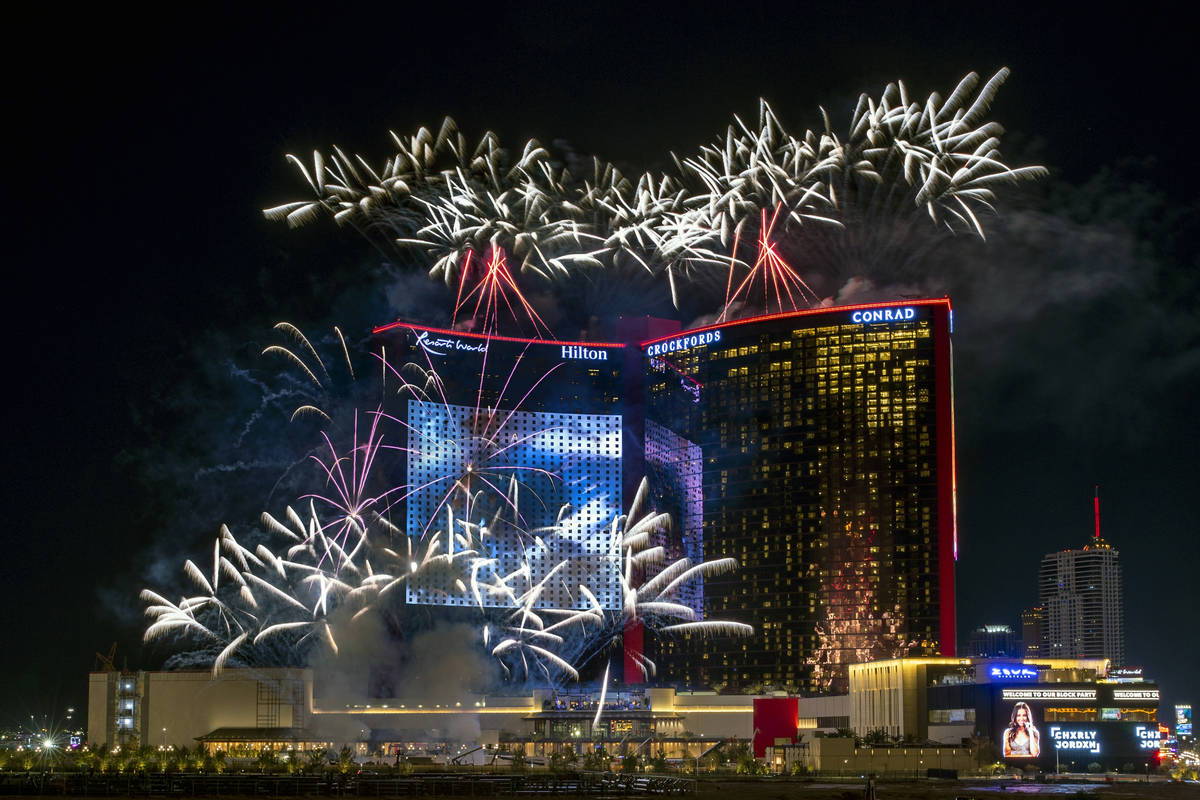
(684, 343)
(584, 353)
(884, 314)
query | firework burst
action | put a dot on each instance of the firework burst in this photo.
(898, 160)
(779, 281)
(554, 588)
(651, 597)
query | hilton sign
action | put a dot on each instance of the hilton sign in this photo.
(584, 353)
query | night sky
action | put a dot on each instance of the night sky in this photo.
(144, 280)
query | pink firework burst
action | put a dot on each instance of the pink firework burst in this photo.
(347, 477)
(782, 287)
(494, 290)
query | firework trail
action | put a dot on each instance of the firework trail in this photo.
(318, 390)
(440, 196)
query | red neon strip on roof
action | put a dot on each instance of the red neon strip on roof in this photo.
(413, 326)
(802, 313)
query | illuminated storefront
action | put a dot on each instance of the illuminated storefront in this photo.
(1031, 709)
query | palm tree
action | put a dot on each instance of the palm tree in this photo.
(268, 759)
(316, 759)
(345, 759)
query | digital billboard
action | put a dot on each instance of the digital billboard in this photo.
(1021, 738)
(1183, 720)
(1049, 726)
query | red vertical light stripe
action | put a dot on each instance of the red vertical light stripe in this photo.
(635, 647)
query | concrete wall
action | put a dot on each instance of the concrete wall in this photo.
(190, 704)
(178, 707)
(414, 721)
(951, 734)
(883, 694)
(101, 717)
(710, 714)
(841, 757)
(811, 708)
(174, 708)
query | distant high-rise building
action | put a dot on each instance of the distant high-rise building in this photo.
(992, 641)
(1080, 591)
(1033, 632)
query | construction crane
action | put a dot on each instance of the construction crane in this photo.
(106, 661)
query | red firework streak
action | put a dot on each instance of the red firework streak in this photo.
(494, 286)
(778, 278)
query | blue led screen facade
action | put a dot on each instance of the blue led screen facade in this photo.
(674, 467)
(521, 488)
(514, 450)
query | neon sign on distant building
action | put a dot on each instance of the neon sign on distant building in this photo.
(684, 343)
(1147, 737)
(1013, 673)
(438, 347)
(1085, 739)
(884, 314)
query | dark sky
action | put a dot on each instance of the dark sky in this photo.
(143, 276)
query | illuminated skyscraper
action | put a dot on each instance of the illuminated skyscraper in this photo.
(992, 641)
(1033, 632)
(817, 449)
(1080, 591)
